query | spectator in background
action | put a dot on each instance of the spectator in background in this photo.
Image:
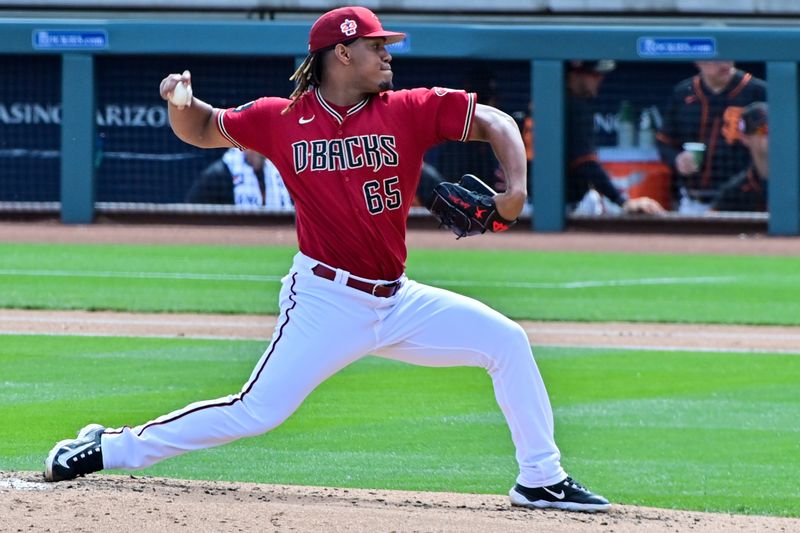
(243, 178)
(587, 181)
(747, 190)
(706, 109)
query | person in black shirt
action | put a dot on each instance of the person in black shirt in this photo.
(747, 190)
(706, 109)
(585, 175)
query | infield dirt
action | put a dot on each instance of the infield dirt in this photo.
(134, 504)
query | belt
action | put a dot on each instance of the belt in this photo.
(376, 289)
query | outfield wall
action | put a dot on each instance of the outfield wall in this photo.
(76, 61)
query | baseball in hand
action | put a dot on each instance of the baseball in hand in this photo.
(181, 95)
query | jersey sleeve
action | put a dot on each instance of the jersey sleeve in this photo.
(443, 114)
(250, 124)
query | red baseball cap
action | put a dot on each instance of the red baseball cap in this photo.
(345, 23)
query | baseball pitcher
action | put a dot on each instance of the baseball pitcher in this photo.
(350, 150)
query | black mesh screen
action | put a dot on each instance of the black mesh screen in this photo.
(30, 132)
(140, 158)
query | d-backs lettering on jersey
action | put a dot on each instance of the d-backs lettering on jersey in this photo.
(352, 172)
(373, 151)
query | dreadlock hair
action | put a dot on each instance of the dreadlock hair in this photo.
(309, 74)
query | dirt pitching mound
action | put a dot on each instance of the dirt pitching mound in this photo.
(134, 504)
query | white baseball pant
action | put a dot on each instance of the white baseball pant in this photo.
(324, 326)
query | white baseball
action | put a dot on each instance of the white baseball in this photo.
(181, 95)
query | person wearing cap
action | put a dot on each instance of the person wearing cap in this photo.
(705, 109)
(350, 151)
(747, 190)
(587, 180)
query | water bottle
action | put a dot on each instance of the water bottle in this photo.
(647, 135)
(626, 130)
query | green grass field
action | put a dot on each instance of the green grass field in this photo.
(696, 431)
(705, 431)
(523, 285)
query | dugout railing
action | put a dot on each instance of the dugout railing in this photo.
(78, 46)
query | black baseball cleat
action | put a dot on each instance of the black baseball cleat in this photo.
(567, 494)
(71, 458)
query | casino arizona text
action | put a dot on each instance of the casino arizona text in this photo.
(140, 116)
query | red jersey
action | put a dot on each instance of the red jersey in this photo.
(352, 173)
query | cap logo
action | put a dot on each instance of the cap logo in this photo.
(349, 27)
